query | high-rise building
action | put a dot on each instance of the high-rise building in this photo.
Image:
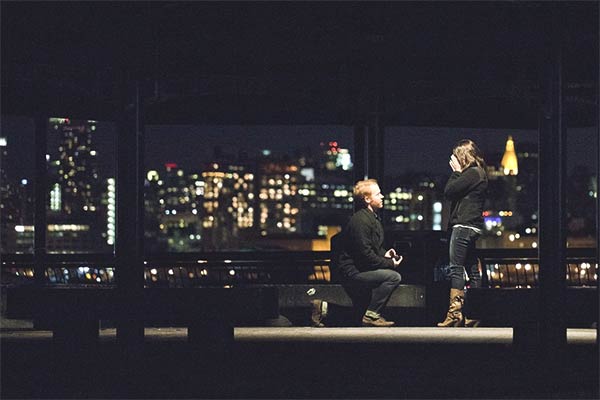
(172, 210)
(228, 204)
(278, 200)
(16, 208)
(78, 198)
(77, 166)
(327, 201)
(413, 204)
(325, 188)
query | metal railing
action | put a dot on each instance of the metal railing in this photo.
(500, 268)
(178, 269)
(520, 267)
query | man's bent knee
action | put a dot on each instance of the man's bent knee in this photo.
(393, 276)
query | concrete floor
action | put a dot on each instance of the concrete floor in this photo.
(299, 362)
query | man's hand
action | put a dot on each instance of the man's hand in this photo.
(397, 260)
(454, 164)
(391, 253)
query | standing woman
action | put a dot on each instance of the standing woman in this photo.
(466, 190)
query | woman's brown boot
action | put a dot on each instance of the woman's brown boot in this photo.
(454, 316)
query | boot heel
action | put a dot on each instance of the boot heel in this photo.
(472, 323)
(454, 317)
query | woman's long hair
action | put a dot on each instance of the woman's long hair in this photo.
(468, 154)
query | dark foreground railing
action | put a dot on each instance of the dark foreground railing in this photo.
(178, 269)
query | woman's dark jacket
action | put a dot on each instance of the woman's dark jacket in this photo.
(466, 191)
(361, 245)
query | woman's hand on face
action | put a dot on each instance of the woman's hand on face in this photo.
(454, 164)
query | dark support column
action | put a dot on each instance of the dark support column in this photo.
(598, 190)
(40, 196)
(130, 216)
(360, 169)
(552, 206)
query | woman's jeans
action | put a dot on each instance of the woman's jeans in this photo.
(463, 258)
(382, 283)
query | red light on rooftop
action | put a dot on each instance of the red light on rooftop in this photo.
(170, 165)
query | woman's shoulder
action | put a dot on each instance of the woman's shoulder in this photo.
(476, 170)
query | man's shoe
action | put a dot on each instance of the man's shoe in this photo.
(318, 313)
(378, 322)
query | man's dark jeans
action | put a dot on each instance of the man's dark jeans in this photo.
(463, 258)
(373, 288)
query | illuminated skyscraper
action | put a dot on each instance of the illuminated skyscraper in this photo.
(325, 189)
(16, 207)
(227, 204)
(326, 199)
(414, 204)
(278, 199)
(77, 166)
(172, 217)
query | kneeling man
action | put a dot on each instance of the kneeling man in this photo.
(363, 262)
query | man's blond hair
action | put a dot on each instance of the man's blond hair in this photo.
(363, 189)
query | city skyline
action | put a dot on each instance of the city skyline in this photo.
(232, 199)
(408, 149)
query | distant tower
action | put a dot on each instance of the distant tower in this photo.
(509, 161)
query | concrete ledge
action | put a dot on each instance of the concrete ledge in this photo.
(431, 335)
(397, 335)
(300, 295)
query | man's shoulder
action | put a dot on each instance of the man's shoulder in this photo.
(361, 218)
(361, 215)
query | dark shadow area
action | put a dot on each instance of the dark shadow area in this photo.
(172, 369)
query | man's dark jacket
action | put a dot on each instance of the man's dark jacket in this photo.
(361, 245)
